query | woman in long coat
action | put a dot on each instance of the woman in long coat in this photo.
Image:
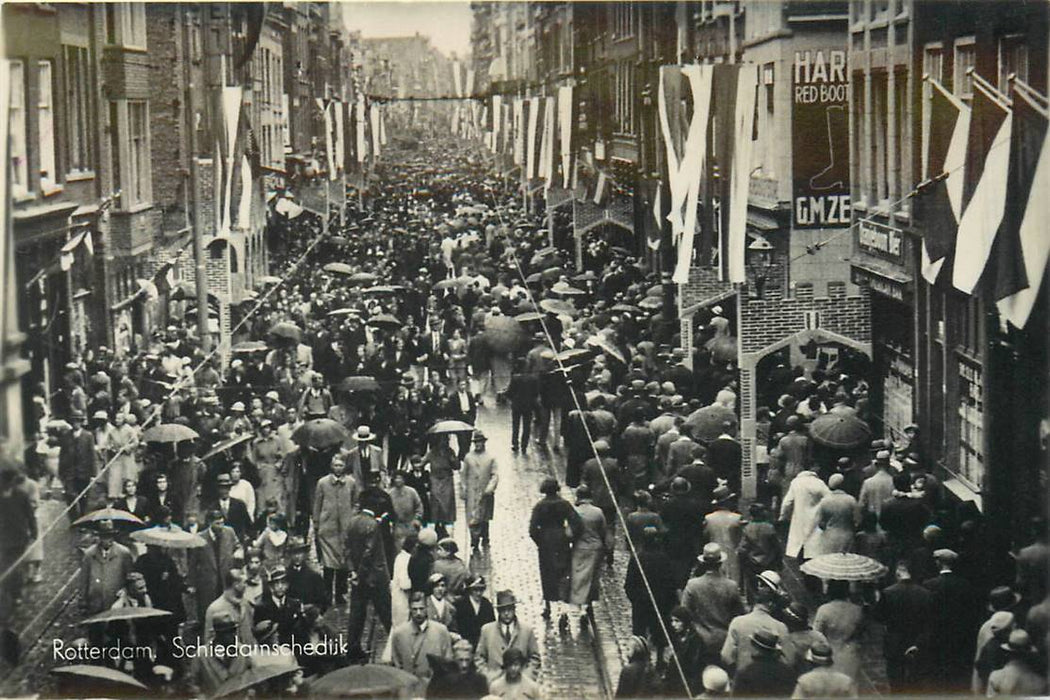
(443, 462)
(842, 622)
(587, 549)
(551, 527)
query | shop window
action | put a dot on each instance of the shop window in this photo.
(971, 424)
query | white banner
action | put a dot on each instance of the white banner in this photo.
(547, 146)
(530, 146)
(377, 127)
(244, 208)
(684, 173)
(340, 143)
(565, 132)
(359, 127)
(740, 177)
(497, 115)
(231, 114)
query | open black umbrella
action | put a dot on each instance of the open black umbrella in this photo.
(450, 426)
(366, 681)
(222, 446)
(363, 278)
(93, 674)
(384, 321)
(528, 317)
(119, 518)
(839, 431)
(285, 332)
(504, 334)
(557, 306)
(320, 434)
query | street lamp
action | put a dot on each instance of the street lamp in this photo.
(760, 260)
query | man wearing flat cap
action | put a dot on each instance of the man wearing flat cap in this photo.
(955, 607)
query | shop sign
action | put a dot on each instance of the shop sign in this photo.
(820, 139)
(883, 285)
(883, 241)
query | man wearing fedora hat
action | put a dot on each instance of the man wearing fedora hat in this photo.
(305, 584)
(712, 599)
(765, 675)
(506, 632)
(365, 457)
(276, 605)
(823, 681)
(105, 570)
(208, 565)
(723, 525)
(737, 651)
(210, 671)
(477, 487)
(1020, 676)
(77, 462)
(233, 510)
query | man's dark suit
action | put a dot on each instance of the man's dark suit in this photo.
(905, 608)
(77, 464)
(468, 622)
(236, 516)
(288, 615)
(307, 586)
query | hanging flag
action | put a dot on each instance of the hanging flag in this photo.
(565, 133)
(1026, 225)
(738, 179)
(533, 104)
(340, 146)
(359, 124)
(601, 188)
(497, 115)
(329, 147)
(656, 226)
(231, 112)
(519, 131)
(946, 126)
(244, 207)
(376, 130)
(987, 163)
(547, 146)
(684, 170)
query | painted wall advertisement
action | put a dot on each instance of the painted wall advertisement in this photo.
(820, 139)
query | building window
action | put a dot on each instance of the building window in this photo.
(624, 98)
(879, 191)
(78, 115)
(46, 124)
(965, 57)
(971, 423)
(933, 61)
(1013, 60)
(17, 121)
(126, 24)
(623, 20)
(139, 154)
(129, 137)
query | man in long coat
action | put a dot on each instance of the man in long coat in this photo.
(713, 600)
(366, 561)
(478, 488)
(335, 501)
(724, 526)
(800, 505)
(106, 568)
(208, 565)
(505, 633)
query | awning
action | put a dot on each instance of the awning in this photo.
(881, 278)
(761, 222)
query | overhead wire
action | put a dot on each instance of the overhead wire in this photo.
(590, 439)
(177, 386)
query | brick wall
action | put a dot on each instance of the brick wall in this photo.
(125, 73)
(703, 286)
(206, 194)
(168, 138)
(767, 321)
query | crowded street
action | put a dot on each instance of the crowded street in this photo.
(507, 368)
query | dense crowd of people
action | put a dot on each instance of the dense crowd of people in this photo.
(331, 454)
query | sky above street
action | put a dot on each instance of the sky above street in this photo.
(446, 23)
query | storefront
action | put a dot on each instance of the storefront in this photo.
(880, 264)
